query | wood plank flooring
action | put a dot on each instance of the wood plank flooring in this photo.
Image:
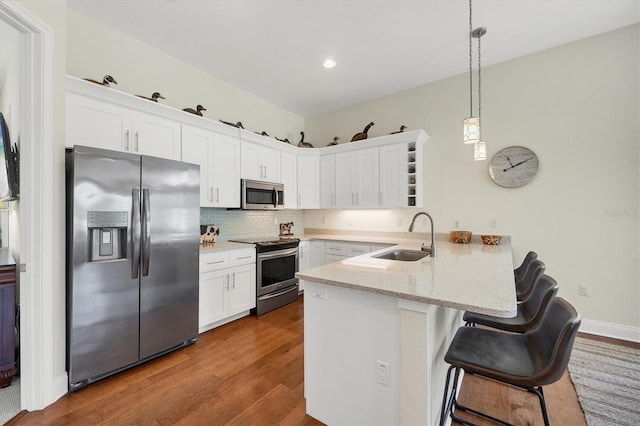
(250, 372)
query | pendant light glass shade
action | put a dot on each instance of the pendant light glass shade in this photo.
(480, 151)
(471, 128)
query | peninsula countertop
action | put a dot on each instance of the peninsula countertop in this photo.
(471, 277)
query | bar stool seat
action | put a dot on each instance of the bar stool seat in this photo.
(529, 313)
(527, 361)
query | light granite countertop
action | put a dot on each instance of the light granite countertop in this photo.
(222, 246)
(471, 277)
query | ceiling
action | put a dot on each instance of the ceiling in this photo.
(275, 48)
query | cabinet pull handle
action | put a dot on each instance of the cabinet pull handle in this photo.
(261, 167)
(233, 284)
(227, 282)
(126, 140)
(265, 171)
(211, 193)
(244, 257)
(217, 261)
(137, 141)
(217, 194)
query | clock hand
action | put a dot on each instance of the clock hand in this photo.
(509, 160)
(517, 164)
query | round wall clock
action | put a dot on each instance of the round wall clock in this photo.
(513, 166)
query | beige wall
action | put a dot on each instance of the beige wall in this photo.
(94, 50)
(577, 107)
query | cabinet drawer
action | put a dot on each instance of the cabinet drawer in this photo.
(335, 248)
(242, 257)
(214, 261)
(330, 258)
(357, 249)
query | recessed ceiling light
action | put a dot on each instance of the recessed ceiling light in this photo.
(329, 63)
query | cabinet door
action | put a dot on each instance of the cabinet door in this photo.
(225, 171)
(304, 255)
(308, 182)
(196, 145)
(289, 175)
(260, 163)
(317, 253)
(368, 187)
(95, 123)
(156, 136)
(328, 181)
(242, 294)
(393, 175)
(346, 179)
(214, 297)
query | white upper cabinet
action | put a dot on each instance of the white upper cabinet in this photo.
(104, 124)
(289, 177)
(259, 162)
(393, 175)
(218, 155)
(308, 182)
(328, 181)
(357, 178)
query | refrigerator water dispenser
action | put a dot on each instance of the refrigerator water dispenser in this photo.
(107, 235)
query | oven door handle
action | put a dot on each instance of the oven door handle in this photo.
(279, 253)
(278, 293)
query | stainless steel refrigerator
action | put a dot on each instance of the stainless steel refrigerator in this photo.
(132, 260)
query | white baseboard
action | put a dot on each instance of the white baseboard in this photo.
(616, 331)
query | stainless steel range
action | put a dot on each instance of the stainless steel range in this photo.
(276, 266)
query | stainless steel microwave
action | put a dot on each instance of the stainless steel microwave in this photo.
(257, 195)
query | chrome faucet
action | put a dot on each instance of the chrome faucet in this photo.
(431, 250)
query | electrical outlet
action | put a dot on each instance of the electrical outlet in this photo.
(585, 290)
(324, 220)
(383, 373)
(456, 224)
(493, 222)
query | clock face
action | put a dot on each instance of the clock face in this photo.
(513, 166)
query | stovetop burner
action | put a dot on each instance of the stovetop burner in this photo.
(270, 243)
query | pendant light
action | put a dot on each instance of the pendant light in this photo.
(471, 125)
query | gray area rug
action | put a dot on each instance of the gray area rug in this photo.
(607, 381)
(10, 401)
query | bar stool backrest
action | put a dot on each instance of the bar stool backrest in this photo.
(524, 286)
(520, 270)
(535, 307)
(553, 341)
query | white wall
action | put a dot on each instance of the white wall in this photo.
(577, 107)
(94, 50)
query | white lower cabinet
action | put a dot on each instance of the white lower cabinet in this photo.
(227, 286)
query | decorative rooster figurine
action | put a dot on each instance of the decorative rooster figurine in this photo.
(335, 141)
(238, 124)
(302, 143)
(363, 134)
(153, 98)
(197, 111)
(402, 129)
(105, 81)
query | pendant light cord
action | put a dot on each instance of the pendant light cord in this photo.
(470, 64)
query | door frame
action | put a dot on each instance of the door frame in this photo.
(38, 319)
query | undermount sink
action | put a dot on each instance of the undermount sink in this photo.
(402, 255)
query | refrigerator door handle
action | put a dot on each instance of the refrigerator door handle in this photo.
(135, 232)
(146, 232)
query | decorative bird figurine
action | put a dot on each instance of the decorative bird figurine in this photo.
(105, 81)
(335, 141)
(402, 129)
(285, 140)
(238, 124)
(302, 143)
(363, 134)
(263, 133)
(197, 111)
(153, 98)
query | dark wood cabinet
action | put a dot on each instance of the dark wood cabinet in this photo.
(7, 318)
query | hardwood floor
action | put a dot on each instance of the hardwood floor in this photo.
(250, 372)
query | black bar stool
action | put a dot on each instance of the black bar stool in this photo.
(525, 285)
(528, 361)
(519, 271)
(530, 312)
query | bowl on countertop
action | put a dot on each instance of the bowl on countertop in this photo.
(491, 240)
(461, 237)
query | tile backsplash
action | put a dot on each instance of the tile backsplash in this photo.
(248, 223)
